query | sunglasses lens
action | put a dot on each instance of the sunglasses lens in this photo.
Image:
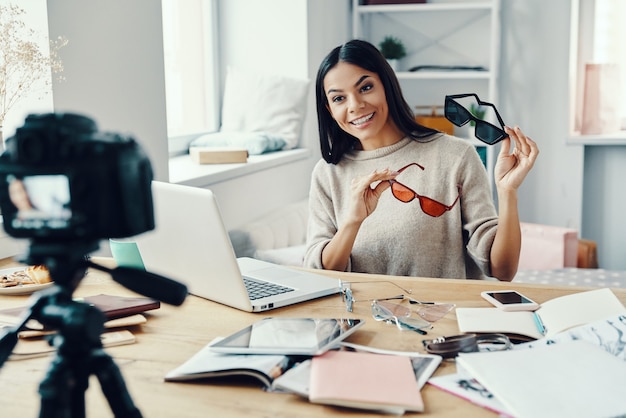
(456, 113)
(488, 133)
(434, 313)
(402, 193)
(432, 207)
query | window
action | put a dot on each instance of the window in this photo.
(191, 75)
(598, 29)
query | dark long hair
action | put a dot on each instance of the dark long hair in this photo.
(334, 141)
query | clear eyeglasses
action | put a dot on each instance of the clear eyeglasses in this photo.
(383, 310)
(347, 294)
(401, 315)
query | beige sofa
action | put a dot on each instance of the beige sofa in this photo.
(278, 237)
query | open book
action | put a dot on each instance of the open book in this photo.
(569, 379)
(465, 386)
(207, 363)
(552, 317)
(606, 334)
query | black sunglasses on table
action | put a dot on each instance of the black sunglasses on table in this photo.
(459, 115)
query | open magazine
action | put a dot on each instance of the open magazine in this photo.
(606, 334)
(280, 372)
(207, 363)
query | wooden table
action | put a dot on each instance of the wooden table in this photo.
(173, 334)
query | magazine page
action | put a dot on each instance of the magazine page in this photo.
(207, 363)
(607, 333)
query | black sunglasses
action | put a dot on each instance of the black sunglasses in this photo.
(459, 115)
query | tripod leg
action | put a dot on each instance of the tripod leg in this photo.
(62, 391)
(113, 386)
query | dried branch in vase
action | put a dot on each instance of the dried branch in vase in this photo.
(25, 67)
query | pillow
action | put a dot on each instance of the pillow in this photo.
(256, 102)
(287, 256)
(255, 142)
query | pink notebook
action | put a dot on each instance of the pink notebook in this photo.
(365, 380)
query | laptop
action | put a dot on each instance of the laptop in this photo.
(190, 244)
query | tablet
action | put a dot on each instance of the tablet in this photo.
(289, 336)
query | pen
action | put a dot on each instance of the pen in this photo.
(539, 323)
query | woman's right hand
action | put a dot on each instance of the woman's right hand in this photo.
(365, 195)
(364, 199)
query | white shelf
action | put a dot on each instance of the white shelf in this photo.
(618, 138)
(444, 75)
(422, 7)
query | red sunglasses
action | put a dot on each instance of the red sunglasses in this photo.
(429, 206)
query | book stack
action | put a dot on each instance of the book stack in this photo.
(121, 313)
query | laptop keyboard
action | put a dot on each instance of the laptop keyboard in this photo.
(258, 289)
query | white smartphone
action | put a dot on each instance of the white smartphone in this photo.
(509, 300)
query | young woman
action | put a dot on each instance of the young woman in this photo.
(438, 219)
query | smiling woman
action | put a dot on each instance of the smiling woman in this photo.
(368, 137)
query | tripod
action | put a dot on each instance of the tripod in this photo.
(79, 352)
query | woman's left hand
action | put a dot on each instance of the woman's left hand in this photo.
(512, 166)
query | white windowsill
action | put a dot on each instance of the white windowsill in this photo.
(184, 171)
(618, 138)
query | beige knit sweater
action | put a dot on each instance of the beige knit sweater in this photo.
(398, 238)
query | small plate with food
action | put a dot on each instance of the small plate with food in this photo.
(24, 280)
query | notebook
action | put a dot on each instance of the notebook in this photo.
(190, 244)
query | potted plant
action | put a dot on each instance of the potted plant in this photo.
(392, 49)
(477, 111)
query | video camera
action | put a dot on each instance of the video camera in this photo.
(61, 180)
(66, 186)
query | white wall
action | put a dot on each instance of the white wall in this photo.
(114, 69)
(534, 95)
(257, 35)
(604, 203)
